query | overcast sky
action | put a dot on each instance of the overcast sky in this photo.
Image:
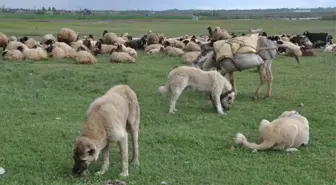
(166, 4)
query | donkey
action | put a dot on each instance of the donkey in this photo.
(266, 52)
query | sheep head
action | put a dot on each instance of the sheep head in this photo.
(91, 36)
(49, 42)
(99, 45)
(23, 39)
(119, 48)
(166, 43)
(87, 43)
(20, 48)
(50, 48)
(105, 31)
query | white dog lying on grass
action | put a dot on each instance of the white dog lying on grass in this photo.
(212, 82)
(288, 132)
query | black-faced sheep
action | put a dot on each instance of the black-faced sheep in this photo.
(14, 45)
(112, 38)
(136, 43)
(152, 46)
(11, 55)
(152, 38)
(104, 48)
(3, 41)
(118, 56)
(192, 46)
(55, 52)
(48, 39)
(30, 42)
(67, 35)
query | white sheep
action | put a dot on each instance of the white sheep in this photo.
(3, 41)
(67, 35)
(11, 55)
(48, 39)
(118, 56)
(84, 57)
(36, 54)
(172, 51)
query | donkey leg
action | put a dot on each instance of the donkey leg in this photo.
(269, 77)
(232, 78)
(262, 75)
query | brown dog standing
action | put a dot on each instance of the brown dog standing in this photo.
(109, 118)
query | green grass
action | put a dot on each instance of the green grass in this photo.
(44, 103)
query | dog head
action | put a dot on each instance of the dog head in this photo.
(84, 153)
(227, 98)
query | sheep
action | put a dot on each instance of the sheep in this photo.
(104, 48)
(136, 44)
(172, 51)
(152, 46)
(11, 55)
(3, 41)
(128, 50)
(12, 38)
(84, 57)
(77, 45)
(56, 52)
(15, 44)
(69, 51)
(176, 43)
(218, 34)
(152, 38)
(192, 46)
(330, 48)
(30, 42)
(154, 51)
(117, 56)
(36, 53)
(189, 57)
(112, 38)
(48, 39)
(67, 35)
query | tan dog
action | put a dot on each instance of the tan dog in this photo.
(109, 118)
(288, 132)
(212, 82)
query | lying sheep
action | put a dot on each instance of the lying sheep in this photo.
(118, 56)
(129, 50)
(84, 57)
(30, 42)
(330, 48)
(192, 46)
(153, 46)
(3, 41)
(12, 38)
(69, 51)
(11, 55)
(152, 38)
(104, 48)
(56, 52)
(48, 39)
(136, 43)
(211, 82)
(67, 35)
(288, 132)
(175, 43)
(112, 38)
(172, 50)
(35, 54)
(15, 44)
(154, 51)
(189, 57)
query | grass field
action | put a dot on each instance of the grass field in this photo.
(44, 103)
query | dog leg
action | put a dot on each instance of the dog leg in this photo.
(212, 101)
(106, 160)
(174, 97)
(218, 104)
(123, 144)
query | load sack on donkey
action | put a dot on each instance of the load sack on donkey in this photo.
(238, 45)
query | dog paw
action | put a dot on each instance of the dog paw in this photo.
(124, 174)
(99, 173)
(292, 150)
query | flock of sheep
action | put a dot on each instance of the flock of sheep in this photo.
(289, 131)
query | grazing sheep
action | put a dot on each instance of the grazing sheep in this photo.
(154, 51)
(11, 55)
(152, 46)
(48, 39)
(152, 38)
(288, 132)
(30, 42)
(84, 57)
(56, 52)
(104, 48)
(189, 57)
(35, 54)
(172, 50)
(211, 82)
(67, 35)
(136, 43)
(3, 41)
(118, 56)
(129, 50)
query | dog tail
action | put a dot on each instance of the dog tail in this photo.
(163, 89)
(241, 139)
